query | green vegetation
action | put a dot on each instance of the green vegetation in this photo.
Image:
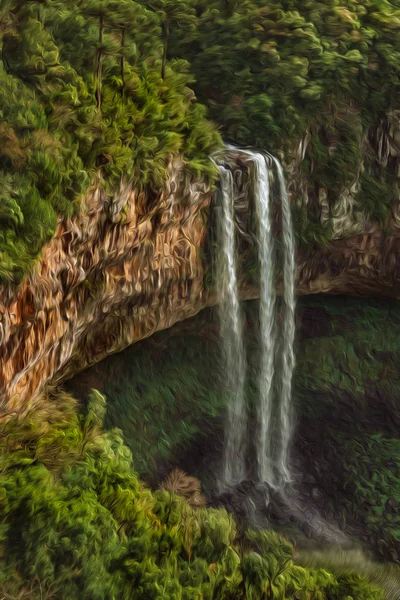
(363, 472)
(353, 561)
(163, 404)
(274, 73)
(347, 378)
(358, 348)
(82, 99)
(165, 394)
(97, 90)
(77, 523)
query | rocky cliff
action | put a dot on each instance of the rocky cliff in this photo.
(126, 267)
(135, 263)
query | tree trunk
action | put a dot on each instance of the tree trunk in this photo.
(99, 64)
(123, 63)
(165, 40)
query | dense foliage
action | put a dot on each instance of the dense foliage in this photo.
(77, 522)
(99, 89)
(362, 474)
(350, 346)
(383, 575)
(346, 395)
(92, 91)
(274, 73)
(160, 393)
(82, 99)
(347, 378)
(163, 405)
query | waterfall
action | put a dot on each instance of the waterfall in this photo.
(288, 359)
(274, 401)
(267, 318)
(233, 463)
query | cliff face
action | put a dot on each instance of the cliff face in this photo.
(126, 267)
(133, 264)
(364, 264)
(358, 256)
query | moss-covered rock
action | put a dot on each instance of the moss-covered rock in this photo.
(349, 412)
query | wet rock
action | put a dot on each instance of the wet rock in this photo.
(316, 494)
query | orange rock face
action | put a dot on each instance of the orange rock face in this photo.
(121, 270)
(131, 265)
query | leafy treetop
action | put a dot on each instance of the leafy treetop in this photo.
(82, 97)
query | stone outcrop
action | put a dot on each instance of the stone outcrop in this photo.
(364, 264)
(136, 263)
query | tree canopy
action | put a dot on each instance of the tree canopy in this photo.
(69, 113)
(278, 72)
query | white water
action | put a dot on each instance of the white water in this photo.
(267, 319)
(233, 464)
(274, 435)
(288, 359)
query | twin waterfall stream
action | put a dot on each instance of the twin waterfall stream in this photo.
(273, 411)
(255, 462)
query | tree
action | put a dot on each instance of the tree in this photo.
(172, 12)
(99, 10)
(63, 65)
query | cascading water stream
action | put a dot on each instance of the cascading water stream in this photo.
(288, 358)
(233, 465)
(275, 388)
(273, 434)
(267, 319)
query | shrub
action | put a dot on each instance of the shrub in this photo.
(75, 516)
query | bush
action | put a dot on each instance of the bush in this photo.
(75, 516)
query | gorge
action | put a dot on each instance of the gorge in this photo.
(87, 276)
